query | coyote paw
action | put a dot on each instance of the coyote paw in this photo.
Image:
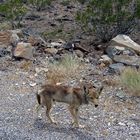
(53, 122)
(74, 124)
(81, 126)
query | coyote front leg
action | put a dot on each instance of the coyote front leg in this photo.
(74, 112)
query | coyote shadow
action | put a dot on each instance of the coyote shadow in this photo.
(78, 132)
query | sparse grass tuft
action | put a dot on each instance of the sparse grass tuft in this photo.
(67, 69)
(5, 26)
(130, 78)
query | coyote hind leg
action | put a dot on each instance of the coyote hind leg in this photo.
(48, 109)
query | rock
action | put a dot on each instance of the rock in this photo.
(123, 50)
(81, 48)
(87, 60)
(116, 68)
(69, 46)
(125, 41)
(17, 31)
(102, 65)
(116, 50)
(56, 44)
(51, 51)
(105, 59)
(121, 123)
(121, 95)
(5, 37)
(79, 53)
(24, 50)
(4, 52)
(14, 39)
(32, 84)
(38, 70)
(128, 60)
(33, 40)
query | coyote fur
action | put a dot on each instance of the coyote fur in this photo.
(70, 95)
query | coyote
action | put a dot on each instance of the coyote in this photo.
(70, 95)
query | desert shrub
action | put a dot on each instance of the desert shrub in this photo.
(40, 4)
(68, 68)
(13, 10)
(107, 18)
(130, 78)
(65, 2)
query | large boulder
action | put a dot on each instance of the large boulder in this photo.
(126, 42)
(124, 50)
(24, 50)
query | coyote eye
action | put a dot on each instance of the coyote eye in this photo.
(91, 97)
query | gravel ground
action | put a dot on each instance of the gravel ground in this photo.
(115, 119)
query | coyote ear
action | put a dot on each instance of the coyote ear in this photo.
(100, 90)
(85, 89)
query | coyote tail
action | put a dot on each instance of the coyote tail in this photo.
(38, 98)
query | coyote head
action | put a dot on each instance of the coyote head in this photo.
(92, 94)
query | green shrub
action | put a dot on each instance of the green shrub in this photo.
(130, 78)
(40, 4)
(107, 18)
(65, 2)
(13, 10)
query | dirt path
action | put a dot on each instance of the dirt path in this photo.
(115, 119)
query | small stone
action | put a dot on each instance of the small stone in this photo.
(56, 44)
(79, 53)
(122, 124)
(24, 50)
(24, 83)
(120, 95)
(69, 45)
(31, 76)
(52, 51)
(16, 84)
(86, 60)
(14, 39)
(38, 70)
(109, 124)
(32, 84)
(105, 59)
(102, 65)
(58, 83)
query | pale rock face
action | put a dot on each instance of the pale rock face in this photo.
(125, 41)
(24, 50)
(124, 50)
